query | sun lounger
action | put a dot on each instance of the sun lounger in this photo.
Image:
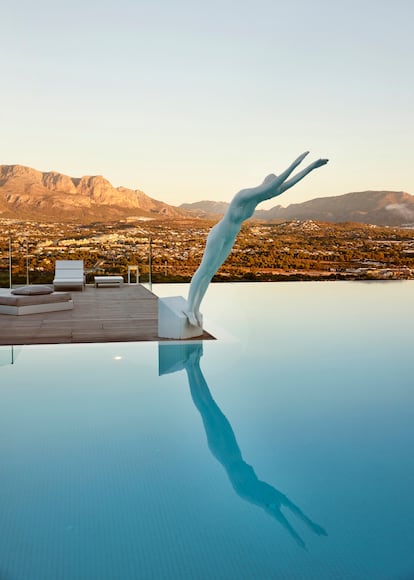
(69, 274)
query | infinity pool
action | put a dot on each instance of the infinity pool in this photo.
(284, 449)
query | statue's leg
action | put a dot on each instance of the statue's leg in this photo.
(215, 253)
(198, 288)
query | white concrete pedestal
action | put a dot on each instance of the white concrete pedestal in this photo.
(172, 322)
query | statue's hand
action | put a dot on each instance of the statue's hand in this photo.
(319, 530)
(320, 162)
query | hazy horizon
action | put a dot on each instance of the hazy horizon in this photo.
(188, 101)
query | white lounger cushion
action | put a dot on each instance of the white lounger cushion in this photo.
(32, 290)
(69, 273)
(35, 303)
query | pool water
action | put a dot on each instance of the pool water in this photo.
(281, 450)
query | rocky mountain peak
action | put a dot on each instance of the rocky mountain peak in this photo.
(18, 171)
(28, 193)
(97, 188)
(57, 182)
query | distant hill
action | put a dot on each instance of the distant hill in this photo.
(26, 193)
(205, 209)
(387, 208)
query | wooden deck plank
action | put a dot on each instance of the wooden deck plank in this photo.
(106, 314)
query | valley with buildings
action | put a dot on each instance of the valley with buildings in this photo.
(170, 250)
(49, 216)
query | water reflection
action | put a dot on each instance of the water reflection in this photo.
(222, 441)
(8, 355)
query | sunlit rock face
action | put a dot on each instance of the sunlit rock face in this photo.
(26, 193)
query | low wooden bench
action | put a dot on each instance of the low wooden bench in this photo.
(108, 281)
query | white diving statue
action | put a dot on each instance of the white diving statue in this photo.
(222, 236)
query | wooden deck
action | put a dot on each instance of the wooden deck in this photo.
(127, 313)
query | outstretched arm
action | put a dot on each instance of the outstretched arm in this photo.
(274, 185)
(302, 174)
(299, 513)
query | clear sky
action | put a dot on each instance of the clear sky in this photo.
(191, 100)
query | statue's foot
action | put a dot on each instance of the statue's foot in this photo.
(193, 317)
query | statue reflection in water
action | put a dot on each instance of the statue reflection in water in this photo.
(223, 444)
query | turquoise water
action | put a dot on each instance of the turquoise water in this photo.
(281, 450)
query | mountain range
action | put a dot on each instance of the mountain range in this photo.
(388, 208)
(30, 194)
(26, 193)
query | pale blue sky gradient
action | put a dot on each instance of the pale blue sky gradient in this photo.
(191, 100)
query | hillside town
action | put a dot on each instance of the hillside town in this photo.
(169, 250)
